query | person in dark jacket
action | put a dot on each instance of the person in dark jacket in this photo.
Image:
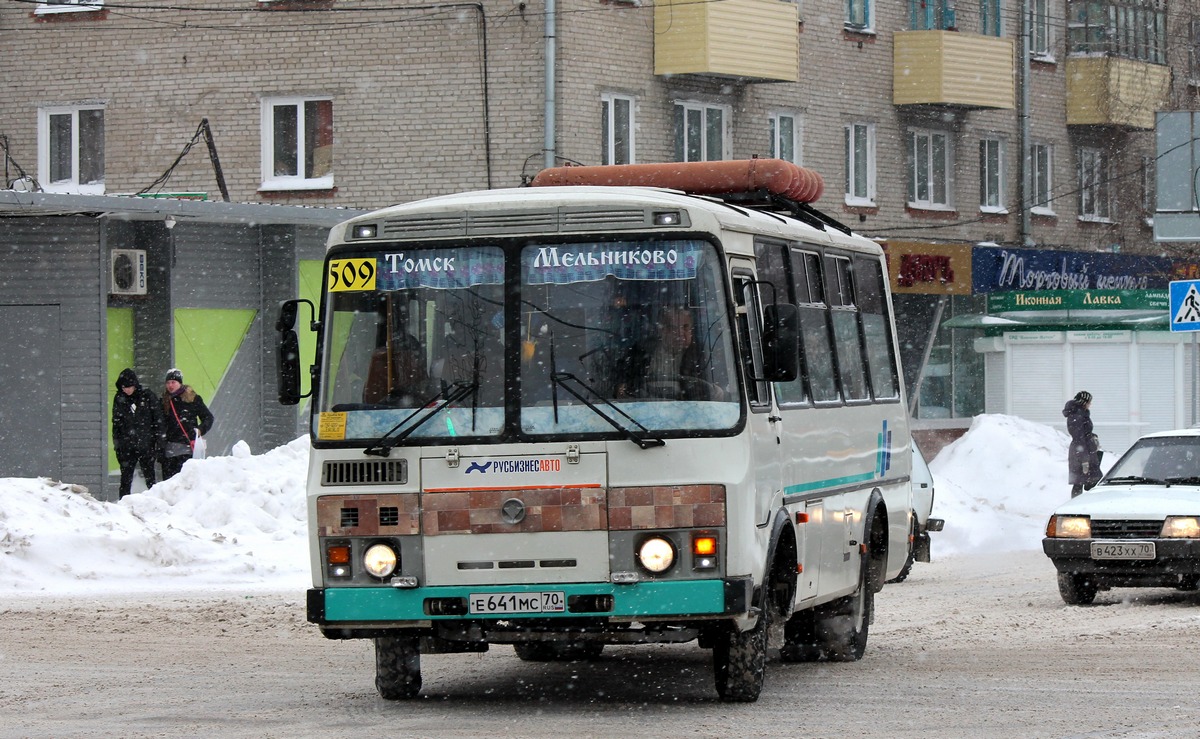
(184, 413)
(136, 428)
(1083, 458)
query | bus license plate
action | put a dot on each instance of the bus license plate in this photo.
(550, 601)
(1123, 550)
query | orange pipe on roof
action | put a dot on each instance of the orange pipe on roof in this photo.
(700, 178)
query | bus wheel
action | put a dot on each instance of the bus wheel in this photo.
(842, 630)
(800, 639)
(397, 667)
(740, 661)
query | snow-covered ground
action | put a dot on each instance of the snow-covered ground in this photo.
(238, 521)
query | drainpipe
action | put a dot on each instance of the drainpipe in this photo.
(1025, 170)
(551, 30)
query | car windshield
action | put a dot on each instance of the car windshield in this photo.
(1163, 459)
(626, 340)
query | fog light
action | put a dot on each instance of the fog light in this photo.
(656, 554)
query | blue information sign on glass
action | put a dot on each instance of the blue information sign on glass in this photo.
(1185, 305)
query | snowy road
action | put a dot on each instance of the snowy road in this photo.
(971, 646)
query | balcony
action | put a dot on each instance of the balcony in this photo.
(964, 70)
(747, 40)
(1114, 91)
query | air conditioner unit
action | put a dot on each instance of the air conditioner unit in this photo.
(127, 272)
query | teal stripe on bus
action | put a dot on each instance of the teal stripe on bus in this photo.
(668, 598)
(805, 487)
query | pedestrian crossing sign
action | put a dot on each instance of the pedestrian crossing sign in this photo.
(1185, 305)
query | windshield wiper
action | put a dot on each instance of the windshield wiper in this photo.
(1188, 480)
(642, 437)
(456, 392)
(1135, 479)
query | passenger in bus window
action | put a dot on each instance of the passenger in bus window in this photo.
(670, 366)
(402, 381)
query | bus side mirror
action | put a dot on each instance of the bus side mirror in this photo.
(289, 367)
(781, 342)
(288, 354)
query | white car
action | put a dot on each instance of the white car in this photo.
(1139, 527)
(922, 524)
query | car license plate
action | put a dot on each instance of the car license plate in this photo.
(549, 601)
(1123, 550)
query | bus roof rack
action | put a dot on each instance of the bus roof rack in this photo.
(762, 184)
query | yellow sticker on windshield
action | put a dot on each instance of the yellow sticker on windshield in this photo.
(350, 274)
(331, 426)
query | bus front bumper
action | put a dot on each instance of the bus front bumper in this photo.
(397, 607)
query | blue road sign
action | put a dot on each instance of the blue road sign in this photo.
(1185, 305)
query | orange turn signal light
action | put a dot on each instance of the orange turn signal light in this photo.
(338, 555)
(704, 546)
(801, 517)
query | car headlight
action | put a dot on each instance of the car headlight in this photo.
(1181, 527)
(656, 554)
(380, 560)
(1069, 527)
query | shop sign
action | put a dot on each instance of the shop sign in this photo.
(1009, 302)
(1034, 270)
(929, 269)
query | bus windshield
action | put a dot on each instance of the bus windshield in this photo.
(616, 339)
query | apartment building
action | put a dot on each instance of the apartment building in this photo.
(933, 129)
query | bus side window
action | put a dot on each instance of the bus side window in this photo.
(873, 311)
(749, 323)
(847, 335)
(816, 350)
(772, 267)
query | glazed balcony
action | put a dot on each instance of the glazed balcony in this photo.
(1115, 91)
(747, 40)
(964, 70)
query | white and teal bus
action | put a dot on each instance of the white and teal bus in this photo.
(662, 408)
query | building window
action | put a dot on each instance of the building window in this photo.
(71, 149)
(860, 164)
(297, 143)
(859, 16)
(1040, 39)
(1093, 185)
(989, 18)
(785, 137)
(701, 132)
(617, 122)
(68, 6)
(991, 176)
(932, 168)
(1135, 29)
(930, 15)
(1041, 163)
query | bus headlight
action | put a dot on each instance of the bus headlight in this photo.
(656, 554)
(380, 560)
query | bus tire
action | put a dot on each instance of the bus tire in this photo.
(800, 639)
(912, 555)
(397, 667)
(842, 631)
(740, 661)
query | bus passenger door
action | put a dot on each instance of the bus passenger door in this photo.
(763, 423)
